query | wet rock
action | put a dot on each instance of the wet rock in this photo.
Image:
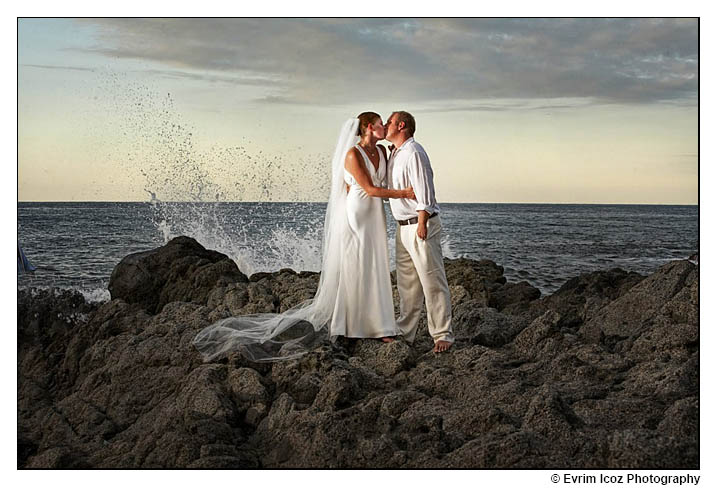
(49, 315)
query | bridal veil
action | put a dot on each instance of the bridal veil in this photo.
(286, 335)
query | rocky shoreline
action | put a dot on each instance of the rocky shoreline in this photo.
(603, 373)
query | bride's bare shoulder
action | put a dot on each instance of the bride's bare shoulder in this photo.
(352, 158)
(352, 154)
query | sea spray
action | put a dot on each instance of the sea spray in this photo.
(160, 146)
(189, 190)
(95, 295)
(245, 233)
(447, 247)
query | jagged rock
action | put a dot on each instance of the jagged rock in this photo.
(49, 315)
(57, 457)
(647, 449)
(540, 338)
(221, 462)
(515, 450)
(386, 359)
(601, 374)
(483, 325)
(478, 278)
(616, 413)
(577, 300)
(181, 270)
(681, 419)
(395, 403)
(246, 387)
(633, 312)
(550, 415)
(512, 294)
(339, 389)
(231, 298)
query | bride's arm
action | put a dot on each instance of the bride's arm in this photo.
(355, 165)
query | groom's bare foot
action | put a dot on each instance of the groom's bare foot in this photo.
(441, 346)
(387, 339)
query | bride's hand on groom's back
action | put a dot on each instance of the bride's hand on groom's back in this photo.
(409, 193)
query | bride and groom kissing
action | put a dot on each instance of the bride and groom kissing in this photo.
(354, 296)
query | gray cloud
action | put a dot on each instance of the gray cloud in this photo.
(47, 66)
(181, 74)
(414, 60)
(214, 78)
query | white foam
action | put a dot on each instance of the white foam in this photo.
(91, 295)
(95, 295)
(253, 251)
(175, 167)
(446, 247)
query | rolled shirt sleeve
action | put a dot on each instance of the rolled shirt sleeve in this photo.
(422, 180)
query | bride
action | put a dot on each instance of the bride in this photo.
(354, 296)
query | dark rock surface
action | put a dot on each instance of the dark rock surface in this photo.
(601, 374)
(182, 270)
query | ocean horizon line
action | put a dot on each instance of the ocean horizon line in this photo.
(318, 202)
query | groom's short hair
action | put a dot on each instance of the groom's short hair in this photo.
(408, 120)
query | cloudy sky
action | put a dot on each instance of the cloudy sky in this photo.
(509, 110)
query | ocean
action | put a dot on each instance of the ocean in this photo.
(77, 245)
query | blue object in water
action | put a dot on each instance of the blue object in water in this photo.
(23, 265)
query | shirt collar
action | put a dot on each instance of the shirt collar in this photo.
(406, 142)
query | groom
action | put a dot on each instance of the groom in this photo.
(419, 264)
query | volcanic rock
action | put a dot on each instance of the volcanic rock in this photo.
(181, 270)
(601, 374)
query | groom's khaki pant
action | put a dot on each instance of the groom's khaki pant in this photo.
(420, 274)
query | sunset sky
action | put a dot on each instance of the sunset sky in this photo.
(509, 110)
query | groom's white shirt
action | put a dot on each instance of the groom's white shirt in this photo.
(409, 166)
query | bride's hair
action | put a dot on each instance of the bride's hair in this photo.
(366, 118)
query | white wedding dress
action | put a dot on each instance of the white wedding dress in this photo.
(353, 296)
(364, 305)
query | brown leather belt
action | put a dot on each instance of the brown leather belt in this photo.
(414, 220)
